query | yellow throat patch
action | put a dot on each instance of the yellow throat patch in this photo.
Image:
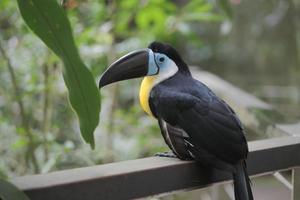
(149, 82)
(146, 86)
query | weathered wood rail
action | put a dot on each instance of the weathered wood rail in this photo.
(154, 175)
(150, 176)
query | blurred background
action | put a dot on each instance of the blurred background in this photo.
(253, 44)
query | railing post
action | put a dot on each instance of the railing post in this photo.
(296, 183)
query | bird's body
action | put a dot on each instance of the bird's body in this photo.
(207, 123)
(194, 122)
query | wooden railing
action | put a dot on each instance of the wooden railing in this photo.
(155, 175)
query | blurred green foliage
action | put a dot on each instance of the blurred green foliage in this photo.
(255, 45)
(41, 138)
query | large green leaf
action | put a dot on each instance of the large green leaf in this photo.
(49, 22)
(10, 192)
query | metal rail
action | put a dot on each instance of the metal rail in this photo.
(155, 175)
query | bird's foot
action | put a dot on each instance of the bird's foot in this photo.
(168, 154)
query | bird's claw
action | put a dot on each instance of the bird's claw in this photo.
(168, 154)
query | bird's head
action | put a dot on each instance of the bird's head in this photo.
(158, 59)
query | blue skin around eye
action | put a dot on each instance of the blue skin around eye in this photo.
(154, 63)
(152, 68)
(163, 65)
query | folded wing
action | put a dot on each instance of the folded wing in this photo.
(214, 133)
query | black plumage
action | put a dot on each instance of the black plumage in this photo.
(196, 124)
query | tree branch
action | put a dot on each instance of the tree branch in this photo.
(25, 124)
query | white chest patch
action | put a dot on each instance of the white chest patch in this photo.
(166, 71)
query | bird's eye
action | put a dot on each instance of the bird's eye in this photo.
(162, 59)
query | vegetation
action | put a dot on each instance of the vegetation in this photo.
(39, 132)
(49, 22)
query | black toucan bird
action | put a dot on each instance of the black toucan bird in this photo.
(195, 123)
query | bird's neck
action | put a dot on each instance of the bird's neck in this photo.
(150, 81)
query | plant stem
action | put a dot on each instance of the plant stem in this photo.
(113, 95)
(111, 122)
(24, 119)
(46, 110)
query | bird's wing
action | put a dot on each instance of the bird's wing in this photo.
(176, 139)
(210, 123)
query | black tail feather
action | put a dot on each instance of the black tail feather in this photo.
(241, 182)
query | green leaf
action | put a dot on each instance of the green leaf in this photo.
(49, 22)
(152, 23)
(226, 7)
(10, 192)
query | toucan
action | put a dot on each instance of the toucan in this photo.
(195, 123)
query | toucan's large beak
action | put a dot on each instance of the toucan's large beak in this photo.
(133, 65)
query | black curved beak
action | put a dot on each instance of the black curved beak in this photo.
(132, 65)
